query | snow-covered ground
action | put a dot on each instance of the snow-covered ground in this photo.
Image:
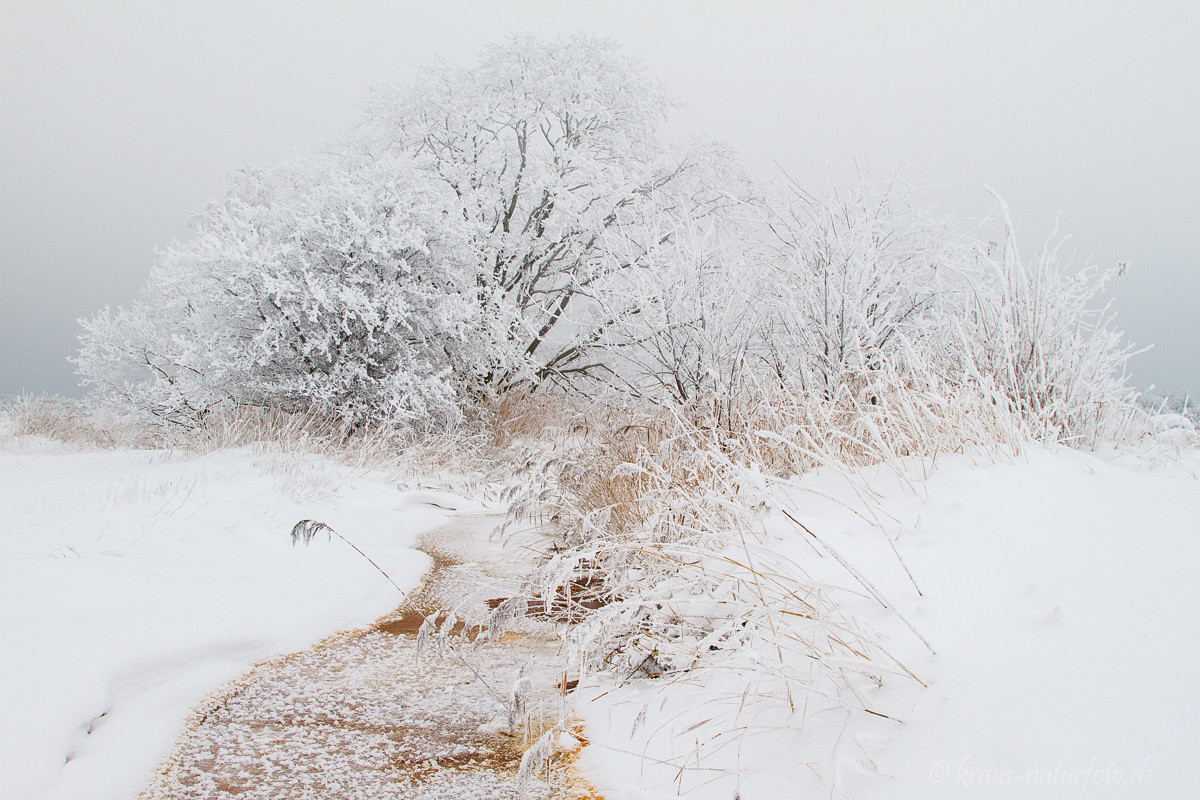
(132, 584)
(1056, 587)
(1059, 592)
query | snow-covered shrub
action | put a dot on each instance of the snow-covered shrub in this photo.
(329, 284)
(696, 334)
(889, 312)
(865, 280)
(1036, 335)
(878, 305)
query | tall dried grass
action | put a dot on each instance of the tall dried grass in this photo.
(655, 551)
(69, 422)
(279, 439)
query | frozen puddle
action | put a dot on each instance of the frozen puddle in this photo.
(360, 716)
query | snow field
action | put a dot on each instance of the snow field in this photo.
(1058, 594)
(134, 583)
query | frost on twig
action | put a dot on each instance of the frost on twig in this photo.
(304, 531)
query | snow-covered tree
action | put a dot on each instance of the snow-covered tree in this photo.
(552, 150)
(469, 235)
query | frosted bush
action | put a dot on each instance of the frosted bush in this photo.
(313, 285)
(1036, 333)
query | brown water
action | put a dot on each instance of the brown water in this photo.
(360, 716)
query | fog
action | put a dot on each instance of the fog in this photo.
(120, 121)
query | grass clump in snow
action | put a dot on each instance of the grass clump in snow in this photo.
(69, 422)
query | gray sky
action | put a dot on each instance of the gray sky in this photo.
(119, 119)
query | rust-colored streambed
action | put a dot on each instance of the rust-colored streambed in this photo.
(360, 716)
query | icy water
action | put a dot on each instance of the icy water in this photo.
(361, 716)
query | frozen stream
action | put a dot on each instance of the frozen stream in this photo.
(361, 716)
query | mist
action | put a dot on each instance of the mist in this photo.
(122, 120)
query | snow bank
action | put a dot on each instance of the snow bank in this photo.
(1059, 594)
(134, 583)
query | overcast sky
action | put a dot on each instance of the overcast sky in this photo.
(119, 119)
